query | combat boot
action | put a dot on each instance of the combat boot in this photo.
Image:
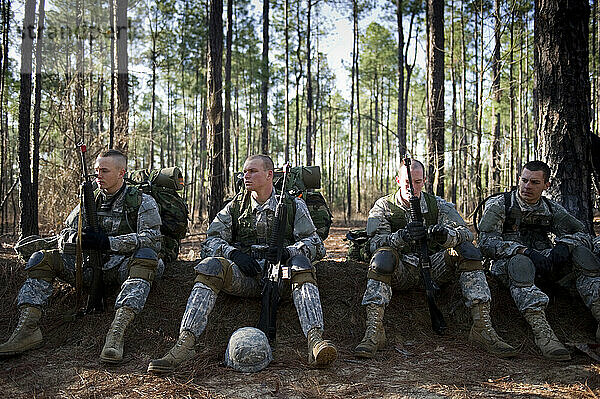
(595, 308)
(182, 351)
(321, 353)
(113, 345)
(545, 339)
(27, 334)
(374, 338)
(484, 334)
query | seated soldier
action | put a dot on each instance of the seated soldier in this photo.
(235, 239)
(129, 237)
(516, 236)
(395, 261)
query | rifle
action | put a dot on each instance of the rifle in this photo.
(94, 257)
(274, 272)
(438, 324)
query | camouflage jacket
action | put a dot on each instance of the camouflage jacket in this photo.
(307, 242)
(121, 245)
(380, 232)
(496, 243)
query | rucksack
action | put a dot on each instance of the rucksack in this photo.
(163, 185)
(302, 182)
(358, 245)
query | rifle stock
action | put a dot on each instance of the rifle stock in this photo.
(95, 301)
(438, 324)
(272, 272)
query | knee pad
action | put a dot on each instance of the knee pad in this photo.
(469, 257)
(521, 271)
(143, 264)
(383, 263)
(585, 261)
(214, 272)
(44, 265)
(302, 271)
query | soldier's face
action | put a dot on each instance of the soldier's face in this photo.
(531, 185)
(256, 177)
(417, 179)
(109, 174)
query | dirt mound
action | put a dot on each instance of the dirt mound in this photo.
(415, 363)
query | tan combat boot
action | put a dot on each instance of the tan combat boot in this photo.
(484, 334)
(374, 338)
(595, 308)
(113, 345)
(321, 353)
(182, 351)
(27, 334)
(545, 339)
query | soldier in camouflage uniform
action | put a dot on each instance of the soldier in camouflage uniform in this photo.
(515, 233)
(235, 248)
(394, 262)
(129, 237)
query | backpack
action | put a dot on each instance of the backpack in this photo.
(358, 245)
(302, 181)
(163, 185)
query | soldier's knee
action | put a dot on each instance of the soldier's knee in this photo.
(214, 272)
(302, 271)
(143, 264)
(469, 257)
(585, 261)
(383, 263)
(44, 265)
(521, 271)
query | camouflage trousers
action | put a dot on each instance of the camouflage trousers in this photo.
(202, 300)
(407, 275)
(530, 296)
(133, 292)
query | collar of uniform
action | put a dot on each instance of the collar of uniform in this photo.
(398, 201)
(270, 203)
(118, 202)
(541, 204)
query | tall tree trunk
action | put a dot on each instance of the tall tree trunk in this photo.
(28, 223)
(349, 168)
(435, 93)
(215, 107)
(286, 111)
(562, 41)
(264, 120)
(37, 109)
(400, 72)
(113, 74)
(122, 58)
(358, 124)
(496, 100)
(298, 78)
(309, 93)
(455, 142)
(227, 114)
(154, 38)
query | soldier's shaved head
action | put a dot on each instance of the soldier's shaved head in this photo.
(119, 158)
(414, 165)
(266, 160)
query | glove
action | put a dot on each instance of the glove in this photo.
(559, 254)
(271, 255)
(542, 263)
(414, 231)
(91, 239)
(247, 264)
(438, 233)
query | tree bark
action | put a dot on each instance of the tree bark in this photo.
(215, 107)
(264, 120)
(496, 100)
(122, 59)
(564, 101)
(309, 93)
(37, 109)
(227, 115)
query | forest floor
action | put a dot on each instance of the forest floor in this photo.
(415, 363)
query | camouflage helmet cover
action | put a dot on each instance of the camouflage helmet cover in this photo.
(248, 350)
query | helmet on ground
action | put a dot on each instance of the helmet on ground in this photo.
(248, 350)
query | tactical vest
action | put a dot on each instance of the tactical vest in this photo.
(129, 216)
(531, 231)
(398, 219)
(243, 229)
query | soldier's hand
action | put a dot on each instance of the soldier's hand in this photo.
(414, 231)
(271, 254)
(91, 239)
(247, 264)
(542, 263)
(438, 234)
(559, 254)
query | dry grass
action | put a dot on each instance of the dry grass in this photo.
(415, 363)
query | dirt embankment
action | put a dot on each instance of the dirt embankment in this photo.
(415, 363)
